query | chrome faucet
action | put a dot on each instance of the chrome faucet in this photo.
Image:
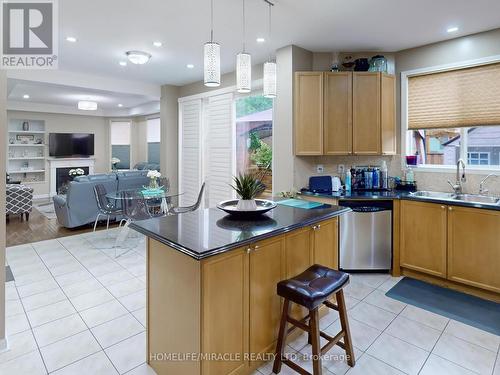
(482, 190)
(460, 179)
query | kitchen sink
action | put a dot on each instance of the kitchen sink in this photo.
(433, 194)
(473, 198)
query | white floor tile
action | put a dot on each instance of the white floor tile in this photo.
(373, 280)
(496, 371)
(94, 298)
(16, 323)
(335, 360)
(328, 319)
(73, 277)
(128, 354)
(19, 344)
(13, 307)
(49, 333)
(357, 290)
(439, 366)
(49, 313)
(362, 334)
(27, 364)
(126, 287)
(379, 299)
(143, 369)
(140, 315)
(105, 268)
(474, 335)
(399, 354)
(69, 350)
(134, 301)
(465, 354)
(82, 287)
(389, 284)
(38, 287)
(425, 317)
(43, 299)
(414, 332)
(372, 315)
(115, 277)
(368, 365)
(117, 330)
(103, 313)
(96, 364)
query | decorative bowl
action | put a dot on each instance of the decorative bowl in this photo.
(230, 206)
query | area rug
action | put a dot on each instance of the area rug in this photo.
(474, 311)
(46, 209)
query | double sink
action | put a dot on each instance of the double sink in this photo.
(452, 197)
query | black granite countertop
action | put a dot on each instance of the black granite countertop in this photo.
(204, 233)
(404, 195)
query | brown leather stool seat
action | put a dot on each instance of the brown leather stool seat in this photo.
(312, 289)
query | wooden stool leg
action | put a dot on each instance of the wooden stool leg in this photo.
(345, 327)
(280, 345)
(315, 342)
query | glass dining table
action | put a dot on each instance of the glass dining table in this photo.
(140, 204)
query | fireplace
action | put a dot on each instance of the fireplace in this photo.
(60, 167)
(63, 178)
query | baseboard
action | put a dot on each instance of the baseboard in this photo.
(4, 345)
(41, 196)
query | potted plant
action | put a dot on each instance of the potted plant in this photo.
(247, 186)
(114, 163)
(76, 172)
(154, 176)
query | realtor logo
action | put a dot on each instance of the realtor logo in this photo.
(29, 34)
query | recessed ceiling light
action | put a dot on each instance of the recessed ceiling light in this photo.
(87, 105)
(157, 44)
(138, 57)
(260, 40)
(190, 66)
(26, 96)
(120, 105)
(71, 39)
(123, 63)
(452, 29)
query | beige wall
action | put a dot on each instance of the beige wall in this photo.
(3, 154)
(138, 141)
(169, 117)
(60, 123)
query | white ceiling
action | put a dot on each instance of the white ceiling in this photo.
(106, 29)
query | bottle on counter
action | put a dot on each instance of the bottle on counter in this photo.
(384, 183)
(348, 181)
(376, 179)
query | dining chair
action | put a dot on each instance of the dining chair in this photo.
(194, 207)
(106, 208)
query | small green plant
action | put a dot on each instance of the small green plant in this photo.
(263, 156)
(247, 186)
(254, 141)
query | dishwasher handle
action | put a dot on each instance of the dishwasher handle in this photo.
(369, 209)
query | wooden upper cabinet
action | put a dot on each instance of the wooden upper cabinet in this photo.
(388, 114)
(308, 113)
(423, 237)
(325, 244)
(366, 113)
(474, 247)
(337, 121)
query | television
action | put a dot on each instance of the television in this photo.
(71, 144)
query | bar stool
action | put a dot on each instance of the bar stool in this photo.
(312, 289)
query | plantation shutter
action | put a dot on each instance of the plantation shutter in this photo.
(220, 140)
(190, 151)
(467, 97)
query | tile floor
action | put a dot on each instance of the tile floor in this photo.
(76, 309)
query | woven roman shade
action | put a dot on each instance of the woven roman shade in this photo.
(458, 98)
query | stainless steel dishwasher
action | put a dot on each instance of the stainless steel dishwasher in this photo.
(366, 235)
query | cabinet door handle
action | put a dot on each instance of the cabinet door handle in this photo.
(315, 227)
(319, 226)
(249, 249)
(450, 208)
(443, 207)
(256, 247)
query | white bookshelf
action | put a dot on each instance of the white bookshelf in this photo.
(26, 160)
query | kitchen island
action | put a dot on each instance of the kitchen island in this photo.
(212, 306)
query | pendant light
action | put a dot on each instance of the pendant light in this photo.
(269, 69)
(211, 53)
(243, 65)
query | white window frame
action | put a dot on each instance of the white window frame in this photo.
(405, 135)
(479, 154)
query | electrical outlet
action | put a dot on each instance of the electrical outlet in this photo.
(341, 169)
(320, 168)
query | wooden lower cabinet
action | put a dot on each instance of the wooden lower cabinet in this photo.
(474, 247)
(423, 237)
(325, 243)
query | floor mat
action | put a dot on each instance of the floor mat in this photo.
(474, 311)
(46, 209)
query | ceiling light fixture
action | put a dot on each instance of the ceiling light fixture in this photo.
(211, 56)
(243, 65)
(260, 40)
(87, 105)
(123, 63)
(190, 66)
(138, 57)
(157, 44)
(71, 39)
(270, 68)
(120, 105)
(452, 29)
(26, 96)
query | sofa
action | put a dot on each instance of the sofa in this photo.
(79, 207)
(147, 166)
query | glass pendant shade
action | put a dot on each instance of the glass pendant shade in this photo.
(270, 79)
(243, 72)
(211, 64)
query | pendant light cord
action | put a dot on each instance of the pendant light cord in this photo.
(269, 29)
(244, 26)
(211, 20)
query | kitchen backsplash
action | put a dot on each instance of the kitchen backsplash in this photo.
(306, 167)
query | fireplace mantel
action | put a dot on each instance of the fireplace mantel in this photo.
(55, 163)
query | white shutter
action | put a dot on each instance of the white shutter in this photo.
(190, 151)
(220, 148)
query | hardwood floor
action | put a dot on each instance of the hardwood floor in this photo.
(39, 228)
